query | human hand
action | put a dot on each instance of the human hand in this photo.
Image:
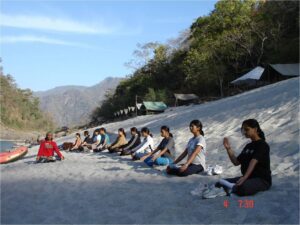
(241, 181)
(226, 143)
(144, 157)
(183, 168)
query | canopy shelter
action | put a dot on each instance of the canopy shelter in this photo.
(153, 107)
(278, 72)
(250, 78)
(188, 98)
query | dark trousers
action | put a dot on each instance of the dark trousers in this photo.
(250, 187)
(192, 169)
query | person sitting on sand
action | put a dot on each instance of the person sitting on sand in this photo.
(96, 140)
(77, 145)
(166, 150)
(145, 147)
(255, 165)
(120, 141)
(134, 141)
(105, 141)
(47, 149)
(195, 150)
(87, 139)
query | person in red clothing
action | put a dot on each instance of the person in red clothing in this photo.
(47, 149)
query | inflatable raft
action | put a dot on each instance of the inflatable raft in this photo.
(13, 155)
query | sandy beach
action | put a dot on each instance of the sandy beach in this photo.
(103, 188)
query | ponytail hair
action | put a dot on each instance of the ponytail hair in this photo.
(134, 129)
(166, 128)
(123, 131)
(254, 124)
(147, 131)
(198, 124)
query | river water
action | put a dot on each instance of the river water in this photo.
(6, 145)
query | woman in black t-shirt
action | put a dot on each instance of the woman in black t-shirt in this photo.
(255, 165)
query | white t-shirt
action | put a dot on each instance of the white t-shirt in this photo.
(146, 146)
(192, 145)
(97, 138)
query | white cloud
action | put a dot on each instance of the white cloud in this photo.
(39, 39)
(52, 24)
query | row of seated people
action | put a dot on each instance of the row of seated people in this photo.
(254, 159)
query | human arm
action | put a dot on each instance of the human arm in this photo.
(166, 146)
(181, 157)
(230, 152)
(115, 144)
(191, 158)
(77, 144)
(249, 171)
(55, 148)
(131, 142)
(144, 145)
(40, 152)
(150, 154)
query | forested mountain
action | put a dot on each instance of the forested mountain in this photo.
(234, 38)
(19, 109)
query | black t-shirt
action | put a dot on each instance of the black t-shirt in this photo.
(260, 151)
(88, 140)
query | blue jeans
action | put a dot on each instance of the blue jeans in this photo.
(161, 161)
(140, 155)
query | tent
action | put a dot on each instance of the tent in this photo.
(185, 97)
(278, 72)
(291, 70)
(153, 107)
(250, 78)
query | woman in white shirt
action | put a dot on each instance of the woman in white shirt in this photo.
(195, 150)
(145, 147)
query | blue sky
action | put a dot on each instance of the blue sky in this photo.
(45, 44)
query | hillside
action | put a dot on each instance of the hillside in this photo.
(117, 186)
(72, 105)
(19, 110)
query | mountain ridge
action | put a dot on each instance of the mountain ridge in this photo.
(71, 105)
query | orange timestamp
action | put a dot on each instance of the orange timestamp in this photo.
(242, 203)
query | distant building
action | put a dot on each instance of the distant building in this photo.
(152, 107)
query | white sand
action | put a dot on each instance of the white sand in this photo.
(104, 188)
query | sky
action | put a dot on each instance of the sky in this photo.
(45, 44)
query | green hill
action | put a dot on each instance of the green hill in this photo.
(19, 109)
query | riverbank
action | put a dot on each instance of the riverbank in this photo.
(10, 134)
(104, 188)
